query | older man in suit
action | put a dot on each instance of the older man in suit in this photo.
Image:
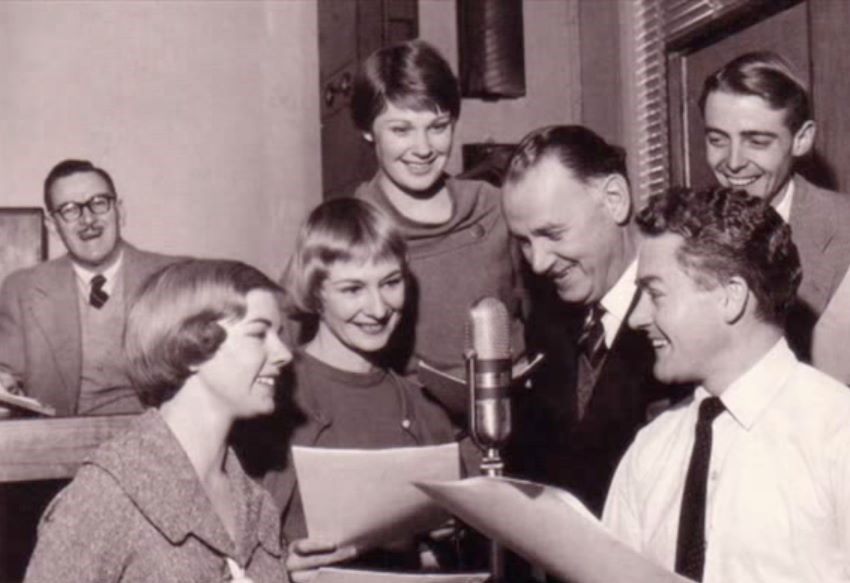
(62, 322)
(758, 124)
(567, 200)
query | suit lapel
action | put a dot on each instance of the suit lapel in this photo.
(811, 233)
(616, 392)
(54, 306)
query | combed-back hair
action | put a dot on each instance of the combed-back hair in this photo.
(341, 229)
(69, 167)
(577, 148)
(767, 75)
(411, 75)
(729, 233)
(173, 323)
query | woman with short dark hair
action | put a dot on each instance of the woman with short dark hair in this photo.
(168, 500)
(406, 102)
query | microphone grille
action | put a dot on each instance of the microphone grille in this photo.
(489, 329)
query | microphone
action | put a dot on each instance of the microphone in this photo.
(488, 371)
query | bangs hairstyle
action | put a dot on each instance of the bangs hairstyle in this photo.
(578, 149)
(767, 75)
(411, 75)
(342, 229)
(173, 324)
(730, 233)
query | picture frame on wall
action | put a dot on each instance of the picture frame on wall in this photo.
(23, 239)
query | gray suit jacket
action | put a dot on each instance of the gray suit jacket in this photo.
(820, 227)
(40, 337)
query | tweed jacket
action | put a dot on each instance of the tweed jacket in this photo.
(820, 221)
(136, 512)
(40, 336)
(453, 265)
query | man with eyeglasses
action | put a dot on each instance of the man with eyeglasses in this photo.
(61, 322)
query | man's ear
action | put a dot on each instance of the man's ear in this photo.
(50, 223)
(735, 298)
(122, 212)
(804, 139)
(617, 198)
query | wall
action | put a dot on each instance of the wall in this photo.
(205, 113)
(552, 73)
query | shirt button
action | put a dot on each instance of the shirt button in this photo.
(405, 423)
(714, 476)
(477, 231)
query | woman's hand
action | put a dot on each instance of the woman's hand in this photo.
(307, 555)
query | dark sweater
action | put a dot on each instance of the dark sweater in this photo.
(453, 265)
(350, 410)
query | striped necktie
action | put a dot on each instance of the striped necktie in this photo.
(98, 295)
(592, 352)
(591, 341)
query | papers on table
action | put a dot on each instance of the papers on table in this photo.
(25, 403)
(367, 497)
(333, 575)
(547, 526)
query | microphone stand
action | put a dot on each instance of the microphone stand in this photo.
(492, 465)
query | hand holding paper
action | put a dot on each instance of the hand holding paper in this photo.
(352, 576)
(367, 497)
(306, 556)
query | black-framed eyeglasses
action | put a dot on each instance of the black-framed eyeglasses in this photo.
(99, 204)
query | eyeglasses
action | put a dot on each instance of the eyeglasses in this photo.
(99, 204)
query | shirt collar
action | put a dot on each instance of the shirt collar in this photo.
(784, 205)
(751, 393)
(617, 302)
(85, 275)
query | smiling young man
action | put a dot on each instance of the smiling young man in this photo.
(567, 201)
(749, 480)
(61, 322)
(758, 124)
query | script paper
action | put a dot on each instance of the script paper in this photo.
(547, 526)
(333, 575)
(367, 497)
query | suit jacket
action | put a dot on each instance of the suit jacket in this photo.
(40, 336)
(551, 444)
(820, 227)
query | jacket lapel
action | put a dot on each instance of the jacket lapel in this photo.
(54, 306)
(811, 233)
(616, 393)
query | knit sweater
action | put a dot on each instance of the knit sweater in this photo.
(453, 265)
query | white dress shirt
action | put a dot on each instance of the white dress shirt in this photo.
(85, 275)
(617, 302)
(783, 205)
(778, 497)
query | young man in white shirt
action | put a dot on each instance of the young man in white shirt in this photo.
(750, 479)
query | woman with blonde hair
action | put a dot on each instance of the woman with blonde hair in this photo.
(348, 278)
(168, 500)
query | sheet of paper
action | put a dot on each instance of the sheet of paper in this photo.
(367, 497)
(26, 403)
(334, 575)
(549, 527)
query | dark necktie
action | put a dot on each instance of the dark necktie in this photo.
(591, 341)
(592, 351)
(98, 296)
(690, 544)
